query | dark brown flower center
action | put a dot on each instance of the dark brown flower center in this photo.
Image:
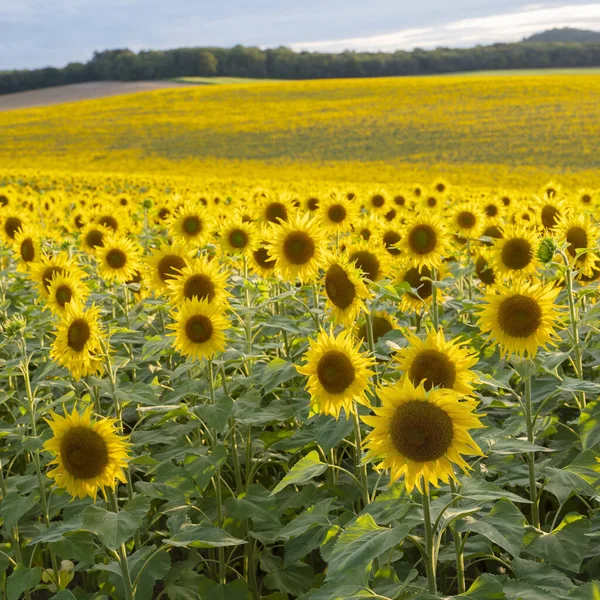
(336, 213)
(78, 220)
(440, 187)
(390, 238)
(84, 453)
(312, 204)
(367, 262)
(200, 286)
(163, 213)
(275, 212)
(506, 201)
(27, 250)
(298, 247)
(192, 225)
(170, 266)
(381, 326)
(365, 233)
(550, 215)
(431, 202)
(238, 238)
(340, 290)
(519, 316)
(335, 372)
(484, 272)
(377, 201)
(493, 232)
(116, 258)
(400, 200)
(491, 210)
(198, 329)
(94, 238)
(78, 334)
(577, 238)
(11, 226)
(262, 258)
(48, 274)
(422, 239)
(109, 222)
(3, 200)
(434, 367)
(517, 253)
(416, 281)
(421, 431)
(586, 198)
(390, 215)
(466, 219)
(63, 294)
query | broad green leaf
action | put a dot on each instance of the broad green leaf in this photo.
(329, 432)
(183, 584)
(307, 468)
(480, 490)
(203, 535)
(237, 590)
(203, 468)
(64, 595)
(589, 425)
(78, 546)
(153, 566)
(316, 515)
(216, 415)
(278, 371)
(14, 506)
(485, 587)
(294, 579)
(578, 385)
(588, 591)
(361, 543)
(113, 529)
(537, 581)
(22, 579)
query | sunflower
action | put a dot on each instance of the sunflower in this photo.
(425, 241)
(338, 373)
(297, 247)
(585, 199)
(373, 263)
(493, 208)
(520, 318)
(435, 362)
(199, 328)
(419, 434)
(345, 289)
(389, 236)
(93, 236)
(467, 220)
(88, 453)
(515, 254)
(366, 226)
(27, 244)
(191, 223)
(549, 210)
(311, 204)
(166, 263)
(203, 279)
(65, 287)
(493, 231)
(337, 213)
(420, 282)
(113, 218)
(580, 234)
(382, 322)
(238, 237)
(440, 186)
(484, 271)
(592, 277)
(78, 342)
(377, 202)
(260, 262)
(275, 208)
(43, 270)
(11, 221)
(118, 258)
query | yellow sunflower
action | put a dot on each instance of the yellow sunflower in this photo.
(27, 244)
(377, 201)
(78, 342)
(337, 213)
(383, 322)
(515, 254)
(580, 233)
(93, 236)
(191, 224)
(10, 222)
(366, 226)
(275, 207)
(119, 258)
(389, 236)
(238, 237)
(484, 270)
(467, 220)
(89, 454)
(65, 288)
(202, 278)
(166, 263)
(521, 318)
(418, 434)
(549, 209)
(199, 328)
(260, 261)
(43, 270)
(372, 261)
(437, 362)
(345, 289)
(297, 246)
(425, 241)
(586, 200)
(338, 373)
(115, 219)
(422, 288)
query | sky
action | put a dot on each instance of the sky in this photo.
(38, 33)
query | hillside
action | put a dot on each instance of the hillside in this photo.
(566, 35)
(369, 129)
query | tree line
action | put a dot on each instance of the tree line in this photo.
(284, 63)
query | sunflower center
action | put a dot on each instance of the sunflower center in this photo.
(368, 263)
(550, 216)
(390, 215)
(201, 286)
(336, 213)
(492, 231)
(109, 222)
(298, 247)
(485, 274)
(116, 258)
(64, 294)
(84, 453)
(400, 200)
(238, 238)
(276, 211)
(11, 226)
(78, 334)
(416, 281)
(312, 204)
(519, 316)
(390, 238)
(137, 278)
(381, 326)
(577, 238)
(421, 431)
(27, 250)
(192, 225)
(506, 201)
(586, 198)
(466, 219)
(198, 329)
(94, 238)
(491, 210)
(335, 372)
(169, 266)
(261, 256)
(78, 221)
(48, 274)
(163, 213)
(377, 201)
(365, 234)
(435, 368)
(517, 253)
(340, 290)
(422, 239)
(3, 200)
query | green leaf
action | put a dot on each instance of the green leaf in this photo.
(579, 385)
(316, 515)
(14, 506)
(203, 468)
(329, 432)
(216, 415)
(504, 526)
(294, 579)
(78, 546)
(155, 566)
(361, 543)
(237, 590)
(64, 595)
(480, 490)
(138, 508)
(589, 425)
(137, 393)
(183, 585)
(307, 468)
(536, 581)
(278, 371)
(21, 580)
(203, 535)
(485, 587)
(589, 591)
(113, 529)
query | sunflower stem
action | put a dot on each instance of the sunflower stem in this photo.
(458, 548)
(371, 343)
(430, 560)
(361, 469)
(122, 553)
(535, 511)
(434, 302)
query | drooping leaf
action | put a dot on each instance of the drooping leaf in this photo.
(203, 535)
(22, 579)
(306, 469)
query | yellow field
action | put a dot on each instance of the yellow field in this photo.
(479, 130)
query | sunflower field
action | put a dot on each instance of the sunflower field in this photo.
(218, 391)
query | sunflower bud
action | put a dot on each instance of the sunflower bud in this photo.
(14, 326)
(546, 250)
(147, 203)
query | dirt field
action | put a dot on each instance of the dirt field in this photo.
(80, 91)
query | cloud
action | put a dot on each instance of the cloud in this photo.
(508, 27)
